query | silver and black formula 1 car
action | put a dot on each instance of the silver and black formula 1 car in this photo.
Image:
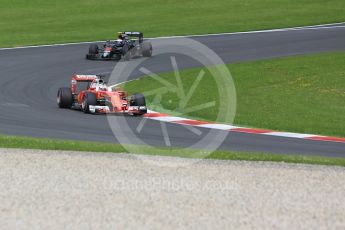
(128, 45)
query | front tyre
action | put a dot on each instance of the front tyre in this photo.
(138, 99)
(93, 52)
(64, 98)
(93, 49)
(89, 99)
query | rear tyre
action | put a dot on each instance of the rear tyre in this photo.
(146, 49)
(64, 98)
(89, 99)
(126, 53)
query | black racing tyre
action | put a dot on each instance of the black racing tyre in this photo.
(125, 49)
(89, 99)
(138, 100)
(93, 49)
(146, 49)
(64, 98)
(125, 52)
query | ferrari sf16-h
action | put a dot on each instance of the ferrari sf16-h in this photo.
(90, 94)
(128, 45)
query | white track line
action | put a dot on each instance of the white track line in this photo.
(313, 27)
(218, 126)
(286, 134)
(257, 31)
(169, 119)
(176, 120)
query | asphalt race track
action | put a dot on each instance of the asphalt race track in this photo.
(31, 77)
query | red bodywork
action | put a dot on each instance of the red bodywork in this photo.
(117, 97)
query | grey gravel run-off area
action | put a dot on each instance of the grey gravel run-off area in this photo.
(69, 190)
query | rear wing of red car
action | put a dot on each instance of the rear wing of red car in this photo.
(81, 78)
(84, 78)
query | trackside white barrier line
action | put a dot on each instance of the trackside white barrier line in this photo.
(255, 32)
(312, 27)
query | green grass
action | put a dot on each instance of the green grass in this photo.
(304, 94)
(24, 22)
(51, 144)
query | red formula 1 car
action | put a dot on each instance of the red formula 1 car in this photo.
(90, 94)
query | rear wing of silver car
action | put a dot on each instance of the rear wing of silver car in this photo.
(138, 35)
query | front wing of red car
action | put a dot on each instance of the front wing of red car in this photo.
(105, 109)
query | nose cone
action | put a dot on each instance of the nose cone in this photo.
(106, 54)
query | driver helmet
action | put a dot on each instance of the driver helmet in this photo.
(121, 36)
(98, 84)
